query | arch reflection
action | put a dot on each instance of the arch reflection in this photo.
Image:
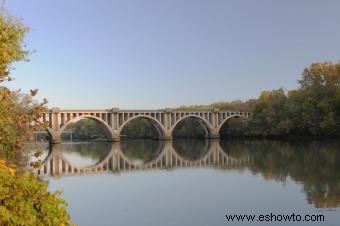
(125, 157)
(140, 152)
(85, 154)
(314, 164)
(191, 149)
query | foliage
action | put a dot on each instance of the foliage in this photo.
(19, 118)
(270, 114)
(12, 33)
(190, 128)
(25, 201)
(86, 129)
(140, 128)
(313, 109)
(19, 114)
(234, 127)
(234, 105)
(6, 168)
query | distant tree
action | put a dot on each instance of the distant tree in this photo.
(313, 109)
(320, 85)
(190, 128)
(321, 78)
(87, 129)
(140, 128)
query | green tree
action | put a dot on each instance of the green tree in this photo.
(140, 128)
(271, 114)
(87, 129)
(313, 109)
(320, 84)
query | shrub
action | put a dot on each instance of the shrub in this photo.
(24, 200)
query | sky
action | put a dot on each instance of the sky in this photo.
(152, 54)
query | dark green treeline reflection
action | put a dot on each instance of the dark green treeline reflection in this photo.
(315, 164)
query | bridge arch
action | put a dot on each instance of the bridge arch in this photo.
(228, 118)
(202, 121)
(157, 125)
(107, 128)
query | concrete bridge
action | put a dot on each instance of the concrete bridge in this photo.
(114, 120)
(55, 164)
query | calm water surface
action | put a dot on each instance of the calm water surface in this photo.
(195, 182)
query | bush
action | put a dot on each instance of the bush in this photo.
(24, 200)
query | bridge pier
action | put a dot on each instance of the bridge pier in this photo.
(55, 138)
(114, 139)
(166, 137)
(215, 134)
(55, 126)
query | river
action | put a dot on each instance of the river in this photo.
(196, 182)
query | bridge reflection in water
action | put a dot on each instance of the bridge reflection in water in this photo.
(314, 164)
(211, 155)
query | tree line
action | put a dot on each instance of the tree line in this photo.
(313, 109)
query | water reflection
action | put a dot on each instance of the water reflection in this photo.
(133, 155)
(191, 149)
(314, 164)
(141, 151)
(85, 154)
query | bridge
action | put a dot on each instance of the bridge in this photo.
(55, 164)
(114, 120)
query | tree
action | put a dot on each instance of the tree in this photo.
(271, 114)
(322, 78)
(12, 33)
(19, 113)
(320, 111)
(19, 118)
(313, 109)
(87, 129)
(24, 200)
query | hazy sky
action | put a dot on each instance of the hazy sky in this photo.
(157, 53)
